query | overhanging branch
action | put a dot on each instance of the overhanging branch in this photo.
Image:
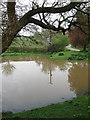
(43, 25)
(50, 10)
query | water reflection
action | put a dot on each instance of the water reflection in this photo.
(48, 66)
(36, 81)
(63, 65)
(50, 73)
(78, 78)
(7, 68)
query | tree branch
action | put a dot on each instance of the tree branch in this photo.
(50, 10)
(43, 25)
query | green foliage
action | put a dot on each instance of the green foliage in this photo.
(58, 43)
(27, 44)
(61, 54)
(38, 43)
(27, 49)
(79, 56)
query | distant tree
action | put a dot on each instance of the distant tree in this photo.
(58, 43)
(41, 37)
(79, 36)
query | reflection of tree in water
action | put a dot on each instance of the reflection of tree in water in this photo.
(8, 68)
(78, 78)
(48, 66)
(40, 60)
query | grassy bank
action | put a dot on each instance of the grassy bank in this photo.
(76, 108)
(22, 54)
(64, 55)
(71, 55)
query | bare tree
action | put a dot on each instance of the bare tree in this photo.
(41, 15)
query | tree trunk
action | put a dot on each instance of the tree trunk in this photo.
(12, 27)
(84, 48)
(7, 39)
(11, 12)
(9, 34)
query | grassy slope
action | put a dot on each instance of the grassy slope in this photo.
(22, 44)
(26, 42)
(70, 109)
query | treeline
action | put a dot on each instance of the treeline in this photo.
(39, 42)
(80, 36)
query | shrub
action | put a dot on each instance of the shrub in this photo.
(61, 54)
(26, 49)
(79, 56)
(58, 43)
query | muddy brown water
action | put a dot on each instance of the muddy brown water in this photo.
(30, 82)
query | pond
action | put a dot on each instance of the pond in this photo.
(30, 82)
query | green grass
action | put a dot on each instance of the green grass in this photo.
(76, 108)
(22, 54)
(64, 55)
(70, 55)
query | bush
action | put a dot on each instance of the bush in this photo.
(58, 43)
(79, 56)
(61, 54)
(26, 49)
